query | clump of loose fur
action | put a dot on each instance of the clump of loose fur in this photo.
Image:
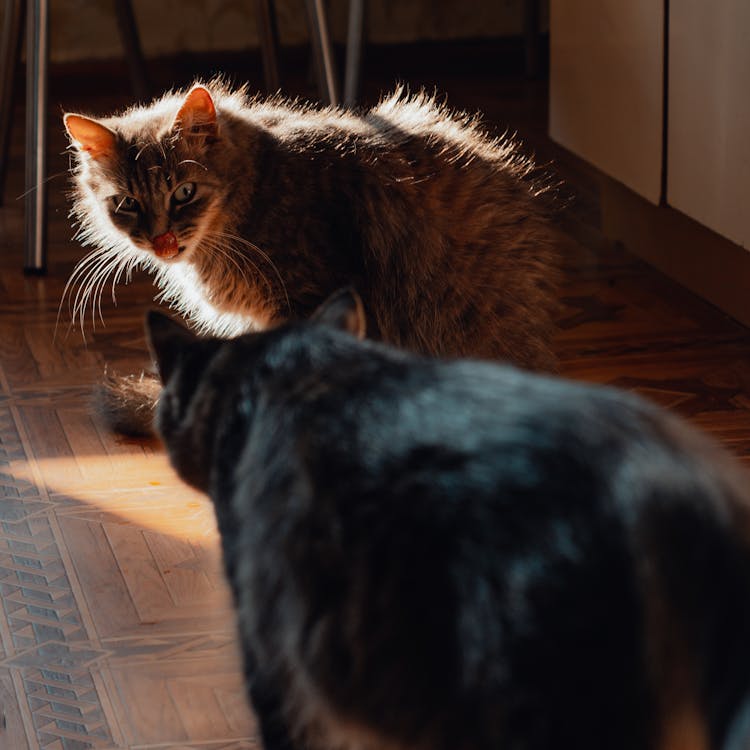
(126, 403)
(252, 211)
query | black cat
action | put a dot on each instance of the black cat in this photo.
(460, 555)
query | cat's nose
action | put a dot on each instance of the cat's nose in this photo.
(165, 245)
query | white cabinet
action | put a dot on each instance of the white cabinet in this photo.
(607, 94)
(606, 86)
(708, 127)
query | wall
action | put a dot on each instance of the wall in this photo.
(85, 29)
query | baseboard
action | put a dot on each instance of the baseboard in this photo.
(699, 259)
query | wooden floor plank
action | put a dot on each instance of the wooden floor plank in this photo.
(12, 730)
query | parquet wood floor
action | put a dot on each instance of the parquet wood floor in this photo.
(115, 624)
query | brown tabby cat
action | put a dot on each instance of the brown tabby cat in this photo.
(252, 211)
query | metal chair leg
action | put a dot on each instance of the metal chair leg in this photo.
(269, 43)
(131, 43)
(323, 52)
(354, 42)
(531, 12)
(10, 52)
(37, 52)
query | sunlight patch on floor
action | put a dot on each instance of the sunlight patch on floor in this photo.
(136, 490)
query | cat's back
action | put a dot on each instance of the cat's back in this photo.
(518, 525)
(398, 121)
(432, 201)
(499, 550)
(383, 411)
(490, 456)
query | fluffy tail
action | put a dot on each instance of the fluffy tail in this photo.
(126, 403)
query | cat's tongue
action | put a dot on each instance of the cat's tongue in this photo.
(165, 245)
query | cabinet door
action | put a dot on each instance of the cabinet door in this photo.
(708, 154)
(606, 86)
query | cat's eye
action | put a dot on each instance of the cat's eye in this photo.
(125, 203)
(184, 193)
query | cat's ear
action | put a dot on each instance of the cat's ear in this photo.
(167, 340)
(343, 310)
(90, 136)
(197, 115)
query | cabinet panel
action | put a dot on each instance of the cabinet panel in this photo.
(708, 165)
(606, 87)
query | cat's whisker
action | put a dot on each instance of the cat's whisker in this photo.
(81, 273)
(224, 250)
(235, 255)
(92, 296)
(125, 268)
(82, 295)
(99, 289)
(264, 255)
(87, 287)
(213, 242)
(79, 304)
(142, 149)
(192, 161)
(40, 183)
(88, 258)
(242, 271)
(116, 276)
(90, 261)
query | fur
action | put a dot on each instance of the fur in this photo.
(127, 402)
(458, 554)
(445, 231)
